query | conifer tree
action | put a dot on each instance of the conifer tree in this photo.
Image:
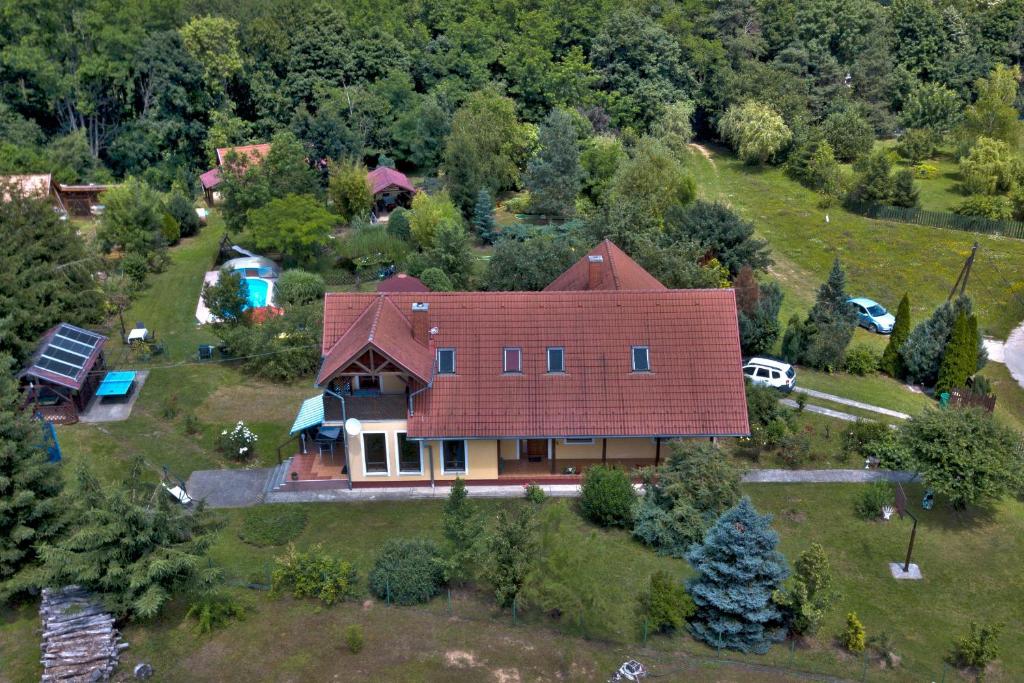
(483, 214)
(554, 176)
(29, 486)
(132, 546)
(738, 571)
(462, 529)
(830, 323)
(892, 363)
(960, 356)
(811, 594)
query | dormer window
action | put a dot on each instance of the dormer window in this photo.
(512, 360)
(446, 361)
(556, 359)
(641, 359)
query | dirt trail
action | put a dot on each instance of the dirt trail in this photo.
(704, 151)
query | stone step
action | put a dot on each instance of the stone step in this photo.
(275, 480)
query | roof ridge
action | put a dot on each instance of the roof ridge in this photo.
(611, 262)
(376, 319)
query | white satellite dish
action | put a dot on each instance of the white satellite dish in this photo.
(353, 427)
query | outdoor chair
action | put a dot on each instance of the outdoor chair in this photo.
(157, 349)
(205, 351)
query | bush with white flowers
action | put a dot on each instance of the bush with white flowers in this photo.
(238, 442)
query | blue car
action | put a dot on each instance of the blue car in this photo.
(872, 315)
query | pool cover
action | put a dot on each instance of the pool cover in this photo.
(116, 384)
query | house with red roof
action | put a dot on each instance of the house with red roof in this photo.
(241, 156)
(391, 189)
(402, 282)
(517, 387)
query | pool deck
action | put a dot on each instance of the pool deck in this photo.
(203, 315)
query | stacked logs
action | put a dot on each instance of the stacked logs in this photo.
(80, 642)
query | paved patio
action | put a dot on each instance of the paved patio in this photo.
(117, 410)
(228, 488)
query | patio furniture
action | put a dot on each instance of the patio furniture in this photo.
(116, 384)
(205, 351)
(138, 334)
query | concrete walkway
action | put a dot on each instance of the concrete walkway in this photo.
(790, 403)
(824, 476)
(853, 404)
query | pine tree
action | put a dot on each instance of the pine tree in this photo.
(904, 192)
(132, 545)
(738, 570)
(960, 356)
(811, 594)
(892, 363)
(830, 323)
(483, 215)
(554, 176)
(29, 486)
(462, 528)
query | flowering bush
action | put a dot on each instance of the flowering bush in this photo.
(237, 443)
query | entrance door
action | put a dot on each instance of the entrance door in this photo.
(534, 450)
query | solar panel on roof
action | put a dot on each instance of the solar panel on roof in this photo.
(61, 355)
(62, 342)
(57, 367)
(79, 335)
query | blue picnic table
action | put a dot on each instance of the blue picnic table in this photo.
(116, 384)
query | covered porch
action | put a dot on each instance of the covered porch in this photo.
(568, 458)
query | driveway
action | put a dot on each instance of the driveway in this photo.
(228, 488)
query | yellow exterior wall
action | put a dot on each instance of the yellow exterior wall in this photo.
(391, 384)
(355, 452)
(481, 460)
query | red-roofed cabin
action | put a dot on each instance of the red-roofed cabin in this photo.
(240, 157)
(63, 373)
(514, 387)
(391, 189)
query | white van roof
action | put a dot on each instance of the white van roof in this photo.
(768, 363)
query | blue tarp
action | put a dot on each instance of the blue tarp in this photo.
(116, 384)
(310, 414)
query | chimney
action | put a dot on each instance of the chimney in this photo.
(420, 326)
(595, 268)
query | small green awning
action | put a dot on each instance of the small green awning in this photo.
(311, 413)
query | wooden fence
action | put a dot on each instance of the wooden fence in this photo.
(939, 219)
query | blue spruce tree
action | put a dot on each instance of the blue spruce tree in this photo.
(738, 570)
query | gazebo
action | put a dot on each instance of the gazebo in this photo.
(390, 189)
(63, 373)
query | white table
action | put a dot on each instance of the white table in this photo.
(138, 334)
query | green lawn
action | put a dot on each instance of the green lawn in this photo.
(876, 389)
(882, 259)
(970, 562)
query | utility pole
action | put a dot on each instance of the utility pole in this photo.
(965, 272)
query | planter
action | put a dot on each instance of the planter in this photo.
(295, 476)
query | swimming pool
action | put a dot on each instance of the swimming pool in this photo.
(258, 292)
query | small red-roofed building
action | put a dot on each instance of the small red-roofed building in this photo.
(238, 159)
(515, 387)
(391, 189)
(402, 282)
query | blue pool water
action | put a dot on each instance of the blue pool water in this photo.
(258, 291)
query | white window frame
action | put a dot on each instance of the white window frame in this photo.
(398, 456)
(578, 441)
(454, 361)
(504, 361)
(387, 454)
(632, 358)
(547, 355)
(465, 451)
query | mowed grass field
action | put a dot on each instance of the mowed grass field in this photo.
(883, 260)
(970, 563)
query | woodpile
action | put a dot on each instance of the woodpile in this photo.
(80, 642)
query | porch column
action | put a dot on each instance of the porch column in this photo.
(604, 451)
(657, 451)
(551, 449)
(497, 453)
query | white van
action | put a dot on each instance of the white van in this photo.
(770, 373)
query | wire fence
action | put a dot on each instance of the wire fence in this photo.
(669, 657)
(940, 219)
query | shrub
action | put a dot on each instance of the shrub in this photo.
(511, 553)
(871, 500)
(272, 525)
(518, 204)
(354, 638)
(889, 450)
(607, 497)
(665, 605)
(170, 231)
(436, 280)
(191, 424)
(214, 610)
(535, 494)
(170, 407)
(135, 267)
(810, 596)
(977, 648)
(861, 433)
(763, 405)
(407, 571)
(297, 287)
(237, 443)
(796, 449)
(850, 134)
(998, 208)
(853, 637)
(916, 145)
(861, 360)
(771, 435)
(924, 171)
(184, 214)
(314, 574)
(398, 224)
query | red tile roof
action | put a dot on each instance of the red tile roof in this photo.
(695, 387)
(614, 270)
(383, 177)
(253, 153)
(402, 283)
(374, 322)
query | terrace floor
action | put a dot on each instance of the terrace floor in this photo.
(562, 466)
